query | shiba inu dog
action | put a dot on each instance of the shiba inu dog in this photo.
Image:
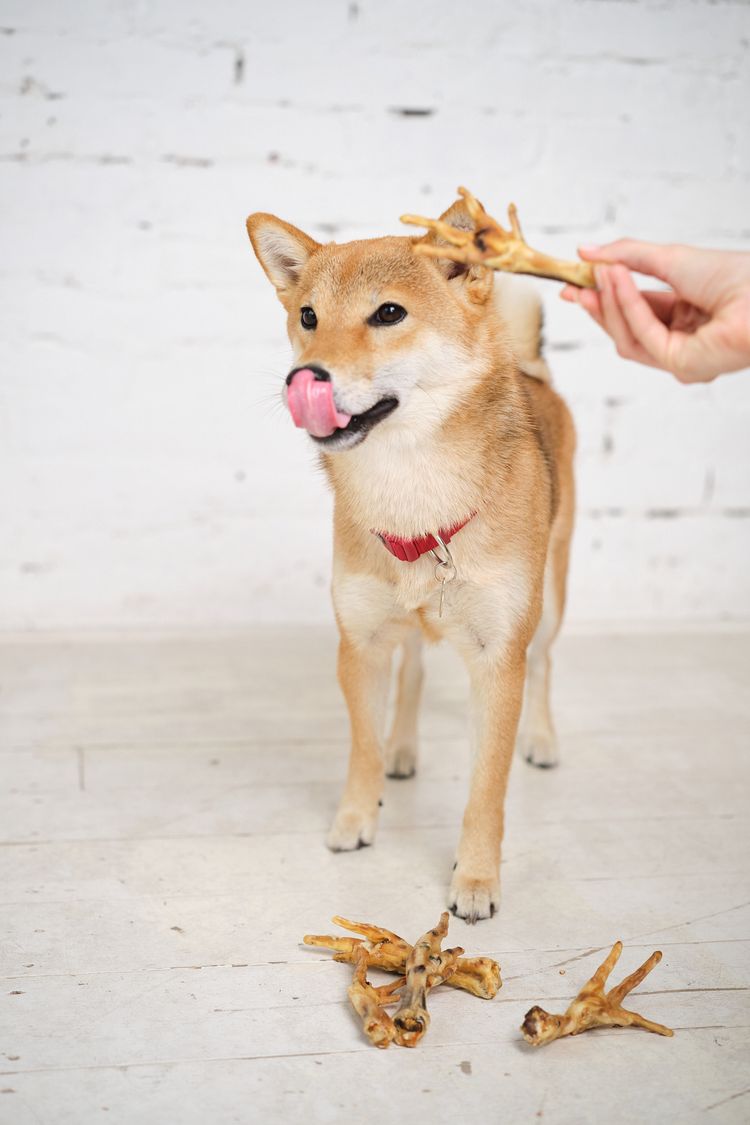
(450, 456)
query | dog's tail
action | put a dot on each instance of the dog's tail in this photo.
(520, 307)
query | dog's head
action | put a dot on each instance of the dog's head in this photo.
(380, 335)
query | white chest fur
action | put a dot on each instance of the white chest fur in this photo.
(393, 482)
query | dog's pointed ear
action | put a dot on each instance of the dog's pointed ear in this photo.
(477, 280)
(281, 249)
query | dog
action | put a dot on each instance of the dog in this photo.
(423, 385)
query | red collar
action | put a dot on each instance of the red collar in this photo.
(409, 550)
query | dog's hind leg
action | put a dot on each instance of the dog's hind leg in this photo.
(401, 748)
(536, 741)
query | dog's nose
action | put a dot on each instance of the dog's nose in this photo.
(320, 375)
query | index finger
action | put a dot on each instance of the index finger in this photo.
(652, 258)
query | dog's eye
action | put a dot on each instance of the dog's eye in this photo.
(307, 317)
(388, 314)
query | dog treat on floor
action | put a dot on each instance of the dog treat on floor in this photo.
(489, 244)
(369, 1003)
(593, 1007)
(385, 950)
(426, 967)
(423, 966)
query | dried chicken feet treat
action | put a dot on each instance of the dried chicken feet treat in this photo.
(385, 950)
(490, 244)
(369, 1003)
(593, 1007)
(427, 966)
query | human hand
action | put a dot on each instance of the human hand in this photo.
(698, 330)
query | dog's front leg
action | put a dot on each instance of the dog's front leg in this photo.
(364, 672)
(370, 626)
(497, 680)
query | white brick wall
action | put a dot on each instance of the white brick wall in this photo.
(148, 474)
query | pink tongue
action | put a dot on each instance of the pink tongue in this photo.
(311, 404)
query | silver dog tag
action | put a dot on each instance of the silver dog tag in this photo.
(445, 570)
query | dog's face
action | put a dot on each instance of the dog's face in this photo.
(381, 337)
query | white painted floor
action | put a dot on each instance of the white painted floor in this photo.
(162, 810)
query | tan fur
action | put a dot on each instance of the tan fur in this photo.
(472, 433)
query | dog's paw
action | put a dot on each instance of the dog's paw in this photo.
(538, 748)
(400, 760)
(351, 829)
(473, 899)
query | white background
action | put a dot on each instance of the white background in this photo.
(149, 475)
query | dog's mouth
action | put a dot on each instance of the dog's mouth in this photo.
(358, 426)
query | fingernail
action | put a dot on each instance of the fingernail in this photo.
(600, 276)
(589, 248)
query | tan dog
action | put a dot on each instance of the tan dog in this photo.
(434, 417)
